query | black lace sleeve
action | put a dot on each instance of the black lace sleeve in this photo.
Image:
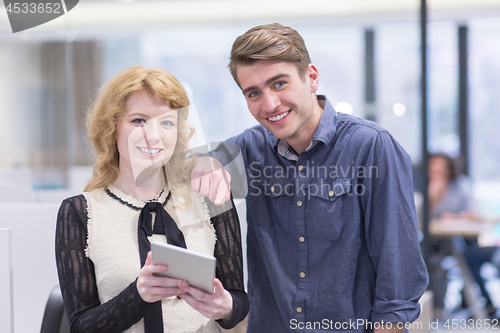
(229, 258)
(77, 278)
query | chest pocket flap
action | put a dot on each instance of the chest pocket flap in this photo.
(330, 190)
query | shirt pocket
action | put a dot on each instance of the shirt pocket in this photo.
(329, 208)
(271, 200)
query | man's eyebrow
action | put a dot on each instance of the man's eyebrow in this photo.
(268, 81)
(244, 91)
(274, 78)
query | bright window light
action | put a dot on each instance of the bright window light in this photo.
(344, 107)
(399, 109)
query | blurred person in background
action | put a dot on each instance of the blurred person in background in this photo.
(450, 197)
(450, 193)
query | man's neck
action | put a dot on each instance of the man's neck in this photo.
(300, 144)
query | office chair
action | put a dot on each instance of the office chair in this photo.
(55, 319)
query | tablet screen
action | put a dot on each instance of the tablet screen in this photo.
(195, 268)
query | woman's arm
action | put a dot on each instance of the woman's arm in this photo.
(77, 278)
(230, 259)
(229, 303)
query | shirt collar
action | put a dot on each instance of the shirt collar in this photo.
(324, 133)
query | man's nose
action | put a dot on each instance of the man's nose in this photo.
(271, 102)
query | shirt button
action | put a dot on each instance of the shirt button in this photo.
(299, 309)
(301, 167)
(299, 203)
(302, 239)
(272, 188)
(331, 193)
(302, 274)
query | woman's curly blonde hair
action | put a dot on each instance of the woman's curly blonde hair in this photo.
(108, 108)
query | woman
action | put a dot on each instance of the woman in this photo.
(450, 197)
(450, 194)
(139, 193)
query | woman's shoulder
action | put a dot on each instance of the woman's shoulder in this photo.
(75, 201)
(99, 194)
(189, 206)
(79, 202)
(73, 209)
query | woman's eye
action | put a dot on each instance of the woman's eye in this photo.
(138, 121)
(167, 123)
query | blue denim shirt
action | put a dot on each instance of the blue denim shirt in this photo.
(332, 235)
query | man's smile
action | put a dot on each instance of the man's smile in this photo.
(278, 117)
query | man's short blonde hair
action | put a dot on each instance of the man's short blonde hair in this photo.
(269, 42)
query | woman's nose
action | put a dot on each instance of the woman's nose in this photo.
(151, 132)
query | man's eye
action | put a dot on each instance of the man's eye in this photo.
(253, 94)
(279, 84)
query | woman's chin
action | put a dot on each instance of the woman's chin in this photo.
(148, 175)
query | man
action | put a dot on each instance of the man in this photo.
(332, 235)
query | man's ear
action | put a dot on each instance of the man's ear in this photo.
(313, 77)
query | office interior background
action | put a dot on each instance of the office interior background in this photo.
(368, 54)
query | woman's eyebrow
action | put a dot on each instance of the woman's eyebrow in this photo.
(137, 114)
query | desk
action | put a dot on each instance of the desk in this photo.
(450, 229)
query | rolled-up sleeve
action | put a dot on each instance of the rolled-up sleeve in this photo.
(390, 227)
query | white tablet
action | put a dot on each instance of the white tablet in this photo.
(196, 268)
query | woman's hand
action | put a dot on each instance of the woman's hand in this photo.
(218, 306)
(153, 288)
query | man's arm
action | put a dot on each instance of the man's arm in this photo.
(391, 233)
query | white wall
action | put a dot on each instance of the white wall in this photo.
(33, 260)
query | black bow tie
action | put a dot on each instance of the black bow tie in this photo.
(164, 225)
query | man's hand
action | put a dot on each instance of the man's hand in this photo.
(209, 177)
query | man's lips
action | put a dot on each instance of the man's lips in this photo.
(278, 117)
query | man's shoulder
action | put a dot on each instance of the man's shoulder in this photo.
(254, 136)
(360, 124)
(356, 132)
(257, 130)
